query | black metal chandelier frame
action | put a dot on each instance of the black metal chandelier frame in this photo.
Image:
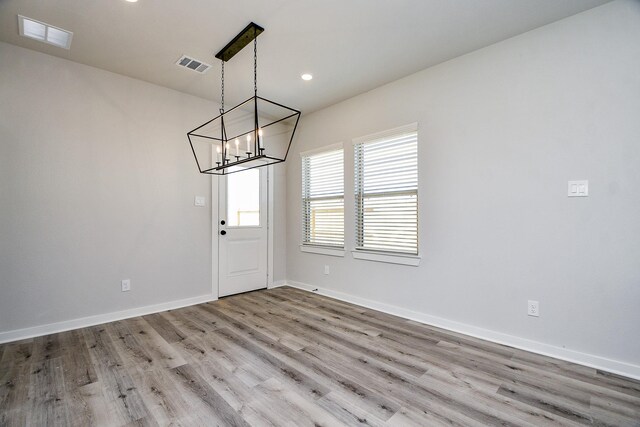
(255, 152)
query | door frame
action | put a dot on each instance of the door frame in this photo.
(215, 211)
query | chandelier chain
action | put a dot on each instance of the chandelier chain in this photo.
(222, 88)
(255, 65)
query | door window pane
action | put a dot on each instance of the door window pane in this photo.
(243, 198)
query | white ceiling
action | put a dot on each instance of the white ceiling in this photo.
(350, 46)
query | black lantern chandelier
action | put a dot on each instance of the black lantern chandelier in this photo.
(257, 132)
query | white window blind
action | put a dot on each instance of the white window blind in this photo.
(323, 199)
(386, 184)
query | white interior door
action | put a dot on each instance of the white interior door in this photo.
(242, 232)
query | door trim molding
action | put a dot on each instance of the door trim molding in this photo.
(270, 191)
(215, 288)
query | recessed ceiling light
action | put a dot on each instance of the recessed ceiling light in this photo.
(132, 1)
(306, 76)
(44, 32)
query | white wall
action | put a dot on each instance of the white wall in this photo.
(97, 183)
(501, 131)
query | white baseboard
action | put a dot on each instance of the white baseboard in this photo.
(67, 325)
(277, 284)
(593, 361)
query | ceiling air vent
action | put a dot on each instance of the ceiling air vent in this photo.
(193, 64)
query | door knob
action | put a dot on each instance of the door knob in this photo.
(223, 222)
(223, 232)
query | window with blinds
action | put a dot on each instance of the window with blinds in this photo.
(323, 199)
(386, 185)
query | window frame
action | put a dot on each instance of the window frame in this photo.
(310, 247)
(394, 257)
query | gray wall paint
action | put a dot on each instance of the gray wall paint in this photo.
(501, 131)
(96, 185)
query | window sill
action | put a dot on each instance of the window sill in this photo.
(412, 260)
(322, 250)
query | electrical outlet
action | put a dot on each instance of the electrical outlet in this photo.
(326, 269)
(533, 308)
(199, 201)
(126, 285)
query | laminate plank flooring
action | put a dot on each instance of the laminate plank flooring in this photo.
(285, 357)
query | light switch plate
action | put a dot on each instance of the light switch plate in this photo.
(199, 201)
(578, 188)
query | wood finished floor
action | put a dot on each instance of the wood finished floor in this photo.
(287, 357)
